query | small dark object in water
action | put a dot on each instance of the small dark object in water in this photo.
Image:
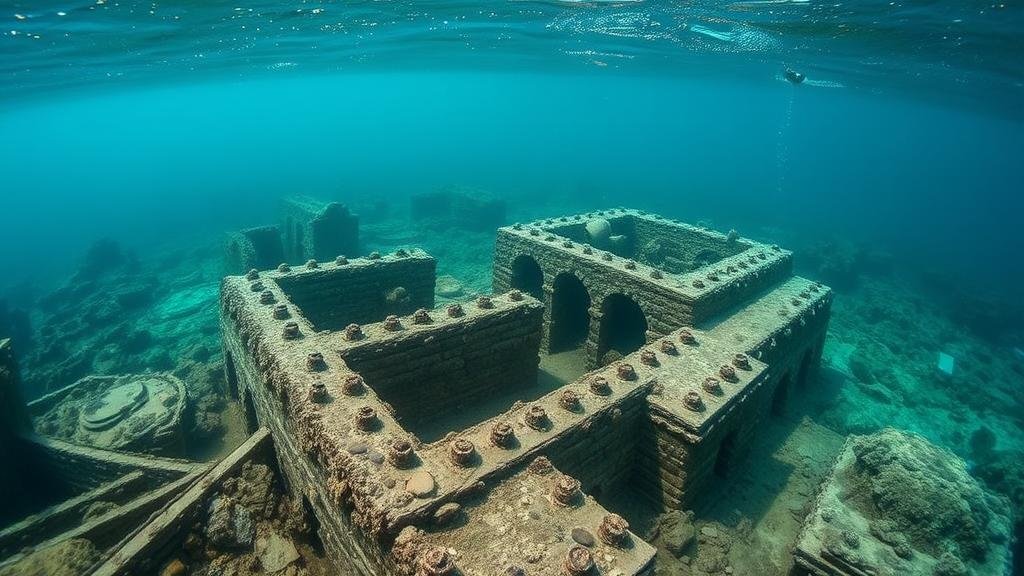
(793, 77)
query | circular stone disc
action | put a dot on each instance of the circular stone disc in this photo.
(113, 406)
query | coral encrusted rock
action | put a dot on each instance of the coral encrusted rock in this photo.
(897, 504)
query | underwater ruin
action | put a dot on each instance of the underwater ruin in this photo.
(620, 356)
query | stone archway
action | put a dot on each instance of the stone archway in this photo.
(805, 369)
(527, 276)
(781, 396)
(570, 313)
(623, 328)
(724, 457)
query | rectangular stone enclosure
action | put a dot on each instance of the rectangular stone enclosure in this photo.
(693, 338)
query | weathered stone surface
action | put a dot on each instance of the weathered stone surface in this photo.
(276, 552)
(724, 297)
(446, 513)
(229, 525)
(421, 484)
(583, 537)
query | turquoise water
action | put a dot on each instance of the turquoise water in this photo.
(892, 170)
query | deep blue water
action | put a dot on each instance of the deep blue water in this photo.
(147, 122)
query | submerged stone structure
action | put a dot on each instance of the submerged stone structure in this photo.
(896, 504)
(310, 229)
(134, 413)
(692, 337)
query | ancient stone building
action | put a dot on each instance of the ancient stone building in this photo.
(693, 338)
(309, 229)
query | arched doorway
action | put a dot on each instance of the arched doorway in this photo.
(570, 316)
(527, 276)
(623, 327)
(781, 396)
(723, 460)
(805, 370)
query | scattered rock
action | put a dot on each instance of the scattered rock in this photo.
(174, 568)
(230, 524)
(276, 552)
(599, 230)
(421, 484)
(677, 531)
(583, 537)
(446, 513)
(448, 287)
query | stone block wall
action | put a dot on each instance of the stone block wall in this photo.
(426, 375)
(602, 453)
(312, 229)
(258, 248)
(264, 392)
(664, 307)
(361, 291)
(681, 248)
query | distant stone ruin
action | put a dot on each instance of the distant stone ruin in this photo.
(693, 338)
(309, 229)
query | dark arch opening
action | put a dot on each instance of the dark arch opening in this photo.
(230, 375)
(623, 326)
(251, 422)
(314, 527)
(723, 460)
(527, 276)
(781, 396)
(805, 370)
(570, 315)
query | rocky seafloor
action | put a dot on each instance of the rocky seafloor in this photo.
(122, 312)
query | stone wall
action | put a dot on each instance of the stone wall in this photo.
(258, 248)
(312, 229)
(426, 375)
(360, 291)
(264, 392)
(664, 307)
(676, 466)
(603, 453)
